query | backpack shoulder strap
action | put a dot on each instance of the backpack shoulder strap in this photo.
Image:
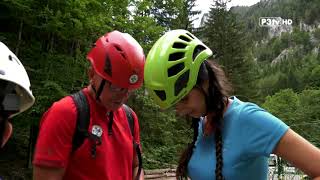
(130, 118)
(83, 119)
(136, 146)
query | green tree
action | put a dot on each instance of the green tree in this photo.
(185, 18)
(308, 113)
(225, 36)
(302, 38)
(165, 11)
(314, 77)
(299, 111)
(316, 34)
(284, 104)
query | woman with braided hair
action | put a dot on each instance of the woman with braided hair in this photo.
(232, 139)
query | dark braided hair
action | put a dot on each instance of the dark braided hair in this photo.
(219, 158)
(218, 92)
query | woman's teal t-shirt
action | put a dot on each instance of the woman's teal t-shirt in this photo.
(249, 136)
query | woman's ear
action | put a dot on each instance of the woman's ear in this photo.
(7, 133)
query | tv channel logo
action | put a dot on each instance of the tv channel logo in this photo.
(274, 21)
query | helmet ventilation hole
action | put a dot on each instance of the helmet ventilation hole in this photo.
(161, 94)
(175, 69)
(176, 56)
(181, 82)
(118, 48)
(120, 51)
(197, 50)
(179, 45)
(11, 58)
(184, 38)
(107, 66)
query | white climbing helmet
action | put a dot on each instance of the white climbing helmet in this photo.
(15, 93)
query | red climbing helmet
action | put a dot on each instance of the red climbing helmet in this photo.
(118, 58)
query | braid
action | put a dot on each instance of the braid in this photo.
(181, 171)
(219, 158)
(217, 97)
(217, 123)
(218, 91)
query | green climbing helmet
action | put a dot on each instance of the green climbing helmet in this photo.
(172, 66)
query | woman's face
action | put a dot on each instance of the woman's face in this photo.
(193, 104)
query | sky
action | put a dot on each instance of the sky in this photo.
(204, 6)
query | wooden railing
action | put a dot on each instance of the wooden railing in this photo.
(160, 174)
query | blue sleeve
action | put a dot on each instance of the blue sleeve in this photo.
(260, 129)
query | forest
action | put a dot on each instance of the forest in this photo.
(277, 68)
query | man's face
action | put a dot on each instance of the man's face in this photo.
(111, 97)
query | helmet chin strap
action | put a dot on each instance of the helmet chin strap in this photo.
(98, 93)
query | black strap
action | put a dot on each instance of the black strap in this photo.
(138, 151)
(83, 119)
(110, 123)
(136, 145)
(98, 93)
(128, 111)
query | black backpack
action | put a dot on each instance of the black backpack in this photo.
(83, 120)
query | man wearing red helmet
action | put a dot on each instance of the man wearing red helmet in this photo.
(117, 63)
